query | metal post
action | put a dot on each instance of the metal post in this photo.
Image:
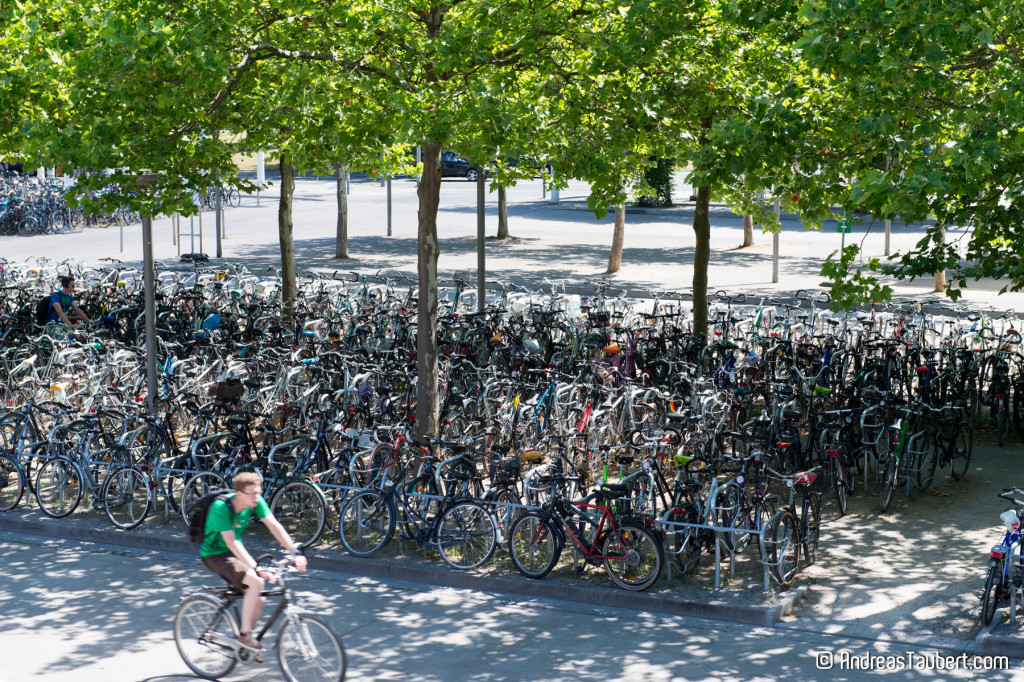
(149, 291)
(120, 227)
(348, 183)
(775, 242)
(888, 226)
(389, 205)
(216, 207)
(481, 227)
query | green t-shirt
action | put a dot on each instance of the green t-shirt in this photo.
(220, 519)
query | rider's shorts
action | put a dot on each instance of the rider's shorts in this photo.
(227, 566)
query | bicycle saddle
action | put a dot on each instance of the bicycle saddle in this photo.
(804, 477)
(613, 490)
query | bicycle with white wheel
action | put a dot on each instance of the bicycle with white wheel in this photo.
(206, 632)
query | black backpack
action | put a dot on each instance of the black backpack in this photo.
(42, 311)
(199, 510)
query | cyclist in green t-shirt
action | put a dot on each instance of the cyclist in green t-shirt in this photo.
(223, 553)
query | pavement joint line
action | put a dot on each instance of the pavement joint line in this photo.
(437, 576)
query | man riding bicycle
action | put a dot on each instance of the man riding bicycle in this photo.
(222, 551)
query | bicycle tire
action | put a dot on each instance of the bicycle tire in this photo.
(59, 487)
(1018, 408)
(533, 545)
(890, 477)
(812, 528)
(467, 535)
(505, 512)
(785, 553)
(962, 447)
(839, 485)
(195, 617)
(197, 486)
(684, 542)
(725, 513)
(991, 593)
(308, 650)
(28, 226)
(367, 523)
(121, 497)
(925, 461)
(641, 565)
(302, 509)
(148, 445)
(420, 499)
(12, 483)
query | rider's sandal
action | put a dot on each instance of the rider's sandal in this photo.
(246, 640)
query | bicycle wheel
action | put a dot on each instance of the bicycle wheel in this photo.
(59, 487)
(785, 541)
(725, 514)
(421, 503)
(838, 484)
(148, 445)
(1018, 408)
(812, 528)
(502, 501)
(126, 498)
(533, 546)
(890, 477)
(925, 460)
(960, 457)
(467, 535)
(367, 523)
(302, 510)
(199, 627)
(29, 226)
(307, 649)
(641, 560)
(197, 486)
(684, 542)
(991, 593)
(12, 483)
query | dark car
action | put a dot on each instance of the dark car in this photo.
(528, 162)
(454, 166)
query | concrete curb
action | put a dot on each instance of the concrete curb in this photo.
(994, 645)
(442, 576)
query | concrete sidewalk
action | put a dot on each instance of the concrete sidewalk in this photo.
(910, 576)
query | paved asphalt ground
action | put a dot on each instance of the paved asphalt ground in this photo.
(560, 242)
(904, 582)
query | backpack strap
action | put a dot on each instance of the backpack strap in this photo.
(227, 497)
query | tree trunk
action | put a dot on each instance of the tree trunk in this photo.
(341, 240)
(618, 236)
(427, 419)
(940, 275)
(701, 257)
(284, 232)
(748, 231)
(502, 213)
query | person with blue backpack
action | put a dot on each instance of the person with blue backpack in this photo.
(222, 552)
(62, 304)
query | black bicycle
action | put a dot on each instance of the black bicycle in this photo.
(206, 633)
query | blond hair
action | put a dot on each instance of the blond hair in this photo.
(246, 479)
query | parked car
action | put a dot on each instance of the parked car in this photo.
(537, 168)
(454, 166)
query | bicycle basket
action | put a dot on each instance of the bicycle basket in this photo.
(227, 391)
(504, 470)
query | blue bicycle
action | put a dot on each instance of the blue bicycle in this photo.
(1005, 559)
